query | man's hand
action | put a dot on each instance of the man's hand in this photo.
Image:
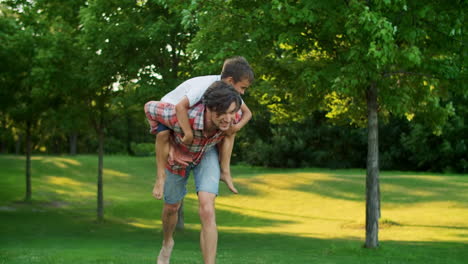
(177, 156)
(226, 178)
(188, 138)
(232, 130)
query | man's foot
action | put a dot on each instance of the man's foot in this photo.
(226, 178)
(158, 189)
(165, 253)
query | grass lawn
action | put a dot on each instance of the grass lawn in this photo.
(280, 216)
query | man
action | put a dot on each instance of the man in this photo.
(237, 72)
(210, 120)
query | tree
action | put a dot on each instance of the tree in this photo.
(360, 59)
(64, 63)
(127, 42)
(29, 97)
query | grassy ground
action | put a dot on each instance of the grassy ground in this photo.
(281, 216)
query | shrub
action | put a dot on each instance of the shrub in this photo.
(143, 149)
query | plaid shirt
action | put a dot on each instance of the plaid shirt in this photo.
(165, 113)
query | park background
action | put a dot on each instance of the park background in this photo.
(339, 85)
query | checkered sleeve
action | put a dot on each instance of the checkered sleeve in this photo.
(160, 113)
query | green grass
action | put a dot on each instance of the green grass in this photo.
(281, 216)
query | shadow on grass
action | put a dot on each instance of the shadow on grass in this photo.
(229, 218)
(394, 189)
(67, 237)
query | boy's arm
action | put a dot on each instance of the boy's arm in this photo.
(246, 116)
(182, 115)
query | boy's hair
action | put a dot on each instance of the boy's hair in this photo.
(238, 68)
(219, 97)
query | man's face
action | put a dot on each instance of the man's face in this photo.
(240, 86)
(223, 121)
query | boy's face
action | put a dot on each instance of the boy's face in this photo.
(240, 86)
(223, 121)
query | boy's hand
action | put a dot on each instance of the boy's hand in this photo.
(188, 138)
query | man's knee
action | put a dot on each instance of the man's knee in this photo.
(207, 212)
(171, 209)
(206, 207)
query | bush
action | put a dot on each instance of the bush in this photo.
(143, 149)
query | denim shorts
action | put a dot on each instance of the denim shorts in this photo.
(161, 128)
(206, 174)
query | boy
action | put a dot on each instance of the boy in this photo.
(236, 72)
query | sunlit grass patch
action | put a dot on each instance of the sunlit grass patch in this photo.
(330, 205)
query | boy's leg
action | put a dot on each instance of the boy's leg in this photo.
(207, 175)
(225, 153)
(174, 191)
(162, 152)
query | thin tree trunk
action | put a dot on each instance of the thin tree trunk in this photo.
(18, 145)
(180, 217)
(2, 135)
(100, 191)
(28, 196)
(73, 138)
(372, 179)
(129, 135)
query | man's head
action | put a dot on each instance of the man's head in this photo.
(222, 102)
(238, 73)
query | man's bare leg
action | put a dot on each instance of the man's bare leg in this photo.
(225, 152)
(162, 152)
(209, 231)
(169, 219)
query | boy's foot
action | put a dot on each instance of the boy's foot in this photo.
(165, 253)
(226, 178)
(158, 189)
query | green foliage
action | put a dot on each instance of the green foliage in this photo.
(311, 143)
(63, 64)
(143, 149)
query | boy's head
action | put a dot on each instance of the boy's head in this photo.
(238, 73)
(223, 102)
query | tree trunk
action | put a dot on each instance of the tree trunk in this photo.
(3, 131)
(100, 191)
(372, 179)
(28, 162)
(73, 138)
(18, 145)
(180, 217)
(129, 135)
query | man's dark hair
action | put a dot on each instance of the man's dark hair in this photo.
(219, 97)
(238, 68)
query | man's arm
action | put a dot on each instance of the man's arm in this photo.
(182, 115)
(225, 151)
